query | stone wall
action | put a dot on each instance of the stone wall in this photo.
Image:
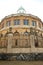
(21, 43)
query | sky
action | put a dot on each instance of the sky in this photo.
(34, 7)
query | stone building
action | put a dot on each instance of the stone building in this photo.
(21, 33)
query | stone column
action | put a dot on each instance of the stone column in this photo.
(32, 36)
(32, 43)
(9, 47)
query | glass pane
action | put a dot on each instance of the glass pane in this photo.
(25, 22)
(8, 23)
(33, 23)
(17, 22)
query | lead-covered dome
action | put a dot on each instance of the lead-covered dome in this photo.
(21, 10)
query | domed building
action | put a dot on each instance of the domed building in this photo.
(21, 33)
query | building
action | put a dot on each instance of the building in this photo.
(21, 33)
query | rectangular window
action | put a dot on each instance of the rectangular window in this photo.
(33, 23)
(8, 23)
(17, 22)
(25, 22)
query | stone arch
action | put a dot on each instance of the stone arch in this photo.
(16, 39)
(8, 33)
(16, 33)
(26, 33)
(25, 39)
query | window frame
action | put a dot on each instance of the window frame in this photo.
(17, 22)
(26, 22)
(33, 23)
(8, 23)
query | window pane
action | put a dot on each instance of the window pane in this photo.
(8, 23)
(17, 22)
(33, 23)
(25, 22)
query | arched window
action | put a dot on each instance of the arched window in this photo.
(16, 38)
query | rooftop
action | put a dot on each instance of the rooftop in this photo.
(21, 11)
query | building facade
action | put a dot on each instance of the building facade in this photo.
(21, 33)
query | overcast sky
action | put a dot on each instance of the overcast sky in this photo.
(8, 7)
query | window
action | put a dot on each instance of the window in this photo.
(33, 23)
(8, 23)
(17, 22)
(25, 22)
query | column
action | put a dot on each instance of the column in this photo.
(9, 47)
(32, 43)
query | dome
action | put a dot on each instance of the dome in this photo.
(21, 10)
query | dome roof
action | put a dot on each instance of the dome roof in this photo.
(21, 10)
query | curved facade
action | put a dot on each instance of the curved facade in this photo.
(21, 33)
(20, 21)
